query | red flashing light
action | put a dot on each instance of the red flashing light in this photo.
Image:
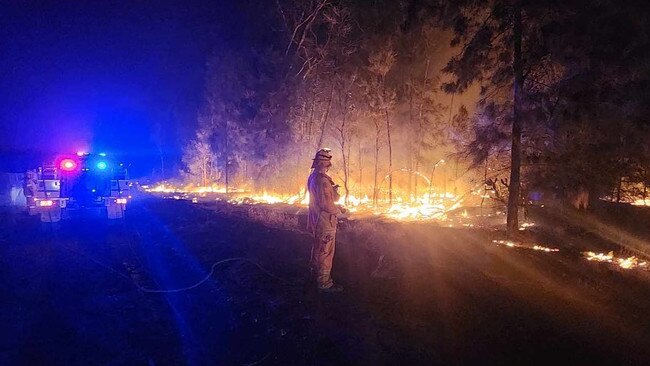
(68, 165)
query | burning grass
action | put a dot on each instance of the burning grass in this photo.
(425, 207)
(445, 209)
(513, 244)
(622, 262)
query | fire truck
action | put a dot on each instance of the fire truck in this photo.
(78, 183)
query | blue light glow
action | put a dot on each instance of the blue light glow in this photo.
(102, 165)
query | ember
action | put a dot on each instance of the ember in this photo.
(642, 202)
(626, 263)
(512, 244)
(526, 225)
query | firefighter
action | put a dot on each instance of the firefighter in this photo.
(322, 220)
(29, 186)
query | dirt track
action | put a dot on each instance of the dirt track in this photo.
(438, 296)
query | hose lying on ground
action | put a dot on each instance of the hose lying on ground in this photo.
(202, 281)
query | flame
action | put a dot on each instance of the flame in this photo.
(161, 188)
(642, 202)
(268, 198)
(512, 244)
(625, 263)
(425, 207)
(168, 188)
(526, 225)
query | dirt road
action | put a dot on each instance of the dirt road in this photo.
(84, 293)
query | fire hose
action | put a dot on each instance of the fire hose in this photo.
(180, 289)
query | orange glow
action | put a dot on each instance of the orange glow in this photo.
(623, 262)
(424, 207)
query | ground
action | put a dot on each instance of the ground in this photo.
(83, 292)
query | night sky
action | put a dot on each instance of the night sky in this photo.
(99, 76)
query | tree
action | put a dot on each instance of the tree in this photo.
(199, 160)
(418, 47)
(381, 100)
(347, 115)
(578, 74)
(493, 38)
(365, 75)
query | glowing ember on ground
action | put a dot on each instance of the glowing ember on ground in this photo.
(267, 198)
(512, 244)
(545, 249)
(526, 225)
(626, 263)
(161, 188)
(635, 201)
(599, 257)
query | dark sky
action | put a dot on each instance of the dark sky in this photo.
(97, 75)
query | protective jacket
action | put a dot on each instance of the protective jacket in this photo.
(322, 224)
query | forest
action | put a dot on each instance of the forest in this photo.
(512, 98)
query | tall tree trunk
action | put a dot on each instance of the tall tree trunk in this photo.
(512, 222)
(360, 184)
(345, 159)
(444, 180)
(645, 188)
(311, 118)
(245, 180)
(485, 170)
(410, 172)
(345, 138)
(415, 184)
(227, 155)
(451, 107)
(431, 183)
(347, 181)
(390, 160)
(374, 186)
(325, 117)
(204, 172)
(456, 177)
(162, 163)
(411, 149)
(421, 123)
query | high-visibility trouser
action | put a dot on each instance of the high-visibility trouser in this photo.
(323, 249)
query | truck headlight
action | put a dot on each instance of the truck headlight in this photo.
(46, 203)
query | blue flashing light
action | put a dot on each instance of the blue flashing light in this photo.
(102, 165)
(102, 154)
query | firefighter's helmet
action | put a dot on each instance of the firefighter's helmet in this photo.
(323, 156)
